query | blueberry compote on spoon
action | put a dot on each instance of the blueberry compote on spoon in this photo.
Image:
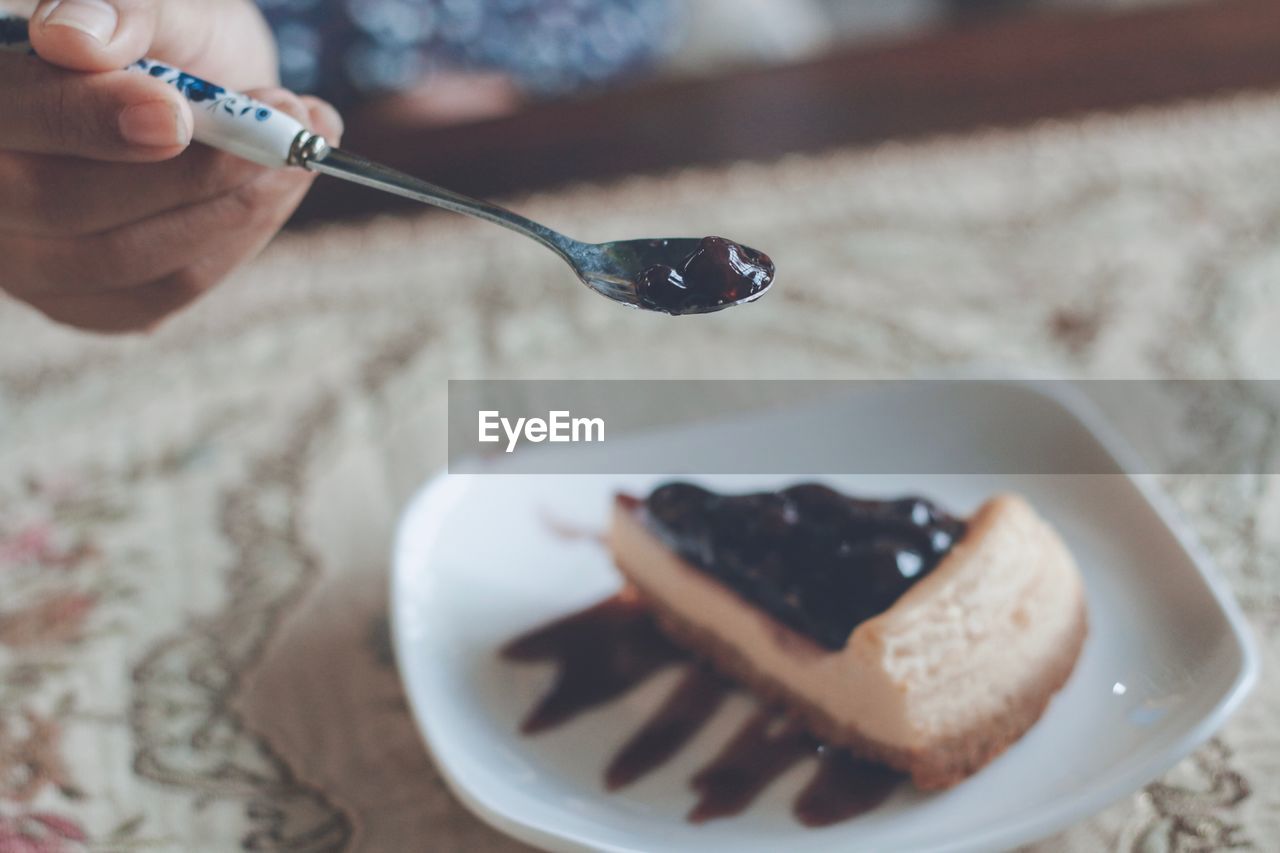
(717, 274)
(818, 561)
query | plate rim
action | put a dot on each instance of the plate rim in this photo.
(412, 535)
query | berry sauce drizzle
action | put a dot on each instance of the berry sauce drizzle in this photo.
(608, 649)
(716, 275)
(818, 561)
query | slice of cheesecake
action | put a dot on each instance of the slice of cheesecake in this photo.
(911, 637)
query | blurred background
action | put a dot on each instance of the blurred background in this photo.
(551, 47)
(508, 96)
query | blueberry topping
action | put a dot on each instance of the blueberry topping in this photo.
(818, 561)
(718, 273)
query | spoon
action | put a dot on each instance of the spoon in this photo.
(674, 276)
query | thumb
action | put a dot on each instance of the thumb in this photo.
(94, 35)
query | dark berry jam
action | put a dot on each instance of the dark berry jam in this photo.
(818, 561)
(717, 274)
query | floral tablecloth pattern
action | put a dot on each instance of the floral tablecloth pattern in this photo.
(195, 525)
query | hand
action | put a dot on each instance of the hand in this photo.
(108, 220)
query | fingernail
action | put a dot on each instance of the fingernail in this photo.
(155, 124)
(97, 19)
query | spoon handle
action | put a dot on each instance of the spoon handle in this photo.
(352, 167)
(224, 119)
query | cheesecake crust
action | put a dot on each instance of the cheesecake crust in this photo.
(940, 763)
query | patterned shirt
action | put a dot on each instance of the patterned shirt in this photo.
(346, 50)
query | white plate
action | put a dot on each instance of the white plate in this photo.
(1167, 660)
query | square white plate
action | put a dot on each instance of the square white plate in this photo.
(1167, 659)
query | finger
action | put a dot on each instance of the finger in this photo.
(113, 116)
(93, 35)
(200, 35)
(63, 197)
(245, 219)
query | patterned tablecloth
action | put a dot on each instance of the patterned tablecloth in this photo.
(195, 526)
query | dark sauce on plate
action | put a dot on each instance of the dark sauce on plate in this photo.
(607, 649)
